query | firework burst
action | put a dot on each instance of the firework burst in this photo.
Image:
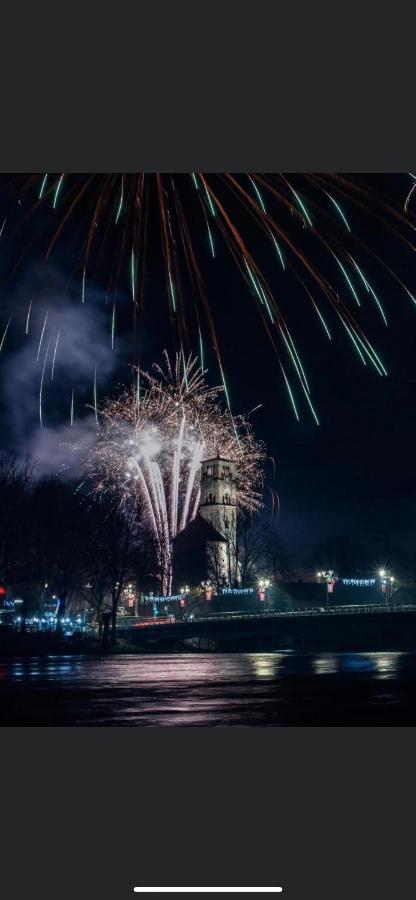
(308, 222)
(150, 445)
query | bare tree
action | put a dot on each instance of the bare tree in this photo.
(59, 530)
(251, 549)
(94, 586)
(119, 547)
(276, 557)
(15, 486)
(342, 554)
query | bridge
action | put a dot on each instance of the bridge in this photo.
(338, 627)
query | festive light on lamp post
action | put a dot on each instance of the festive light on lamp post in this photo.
(208, 588)
(386, 583)
(330, 578)
(263, 584)
(184, 591)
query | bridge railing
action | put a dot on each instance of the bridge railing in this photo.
(132, 622)
(313, 611)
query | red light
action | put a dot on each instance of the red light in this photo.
(2, 591)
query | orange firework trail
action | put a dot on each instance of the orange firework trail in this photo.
(302, 218)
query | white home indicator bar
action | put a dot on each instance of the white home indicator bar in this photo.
(208, 890)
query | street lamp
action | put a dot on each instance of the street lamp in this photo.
(208, 588)
(263, 584)
(330, 579)
(184, 591)
(386, 581)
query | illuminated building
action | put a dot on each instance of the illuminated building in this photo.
(206, 548)
(218, 506)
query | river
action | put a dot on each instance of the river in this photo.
(260, 689)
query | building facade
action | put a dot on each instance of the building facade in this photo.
(218, 507)
(206, 548)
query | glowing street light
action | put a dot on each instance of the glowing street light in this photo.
(208, 588)
(386, 581)
(263, 584)
(330, 578)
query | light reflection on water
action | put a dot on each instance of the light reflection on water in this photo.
(386, 664)
(266, 665)
(326, 664)
(381, 664)
(207, 689)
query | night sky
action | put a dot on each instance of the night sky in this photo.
(352, 475)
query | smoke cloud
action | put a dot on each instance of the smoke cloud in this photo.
(55, 348)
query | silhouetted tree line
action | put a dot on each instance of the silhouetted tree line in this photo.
(260, 551)
(349, 558)
(87, 548)
(55, 541)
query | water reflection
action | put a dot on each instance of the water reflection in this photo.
(326, 664)
(208, 689)
(382, 664)
(387, 664)
(357, 662)
(266, 665)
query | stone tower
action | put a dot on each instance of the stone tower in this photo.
(218, 506)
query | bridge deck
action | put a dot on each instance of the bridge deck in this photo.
(128, 623)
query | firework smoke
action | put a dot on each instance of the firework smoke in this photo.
(150, 445)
